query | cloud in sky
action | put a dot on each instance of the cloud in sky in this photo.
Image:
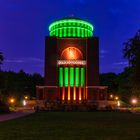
(13, 61)
(125, 63)
(24, 60)
(33, 59)
(103, 51)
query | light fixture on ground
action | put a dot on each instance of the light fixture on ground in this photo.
(118, 103)
(24, 103)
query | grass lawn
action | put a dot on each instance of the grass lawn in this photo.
(73, 126)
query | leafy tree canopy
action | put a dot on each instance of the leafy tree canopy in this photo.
(131, 52)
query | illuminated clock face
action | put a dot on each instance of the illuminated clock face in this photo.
(71, 53)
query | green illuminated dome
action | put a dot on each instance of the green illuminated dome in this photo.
(71, 27)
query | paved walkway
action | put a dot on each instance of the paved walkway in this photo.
(14, 115)
(135, 112)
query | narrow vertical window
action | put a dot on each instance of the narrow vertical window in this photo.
(66, 76)
(71, 76)
(76, 77)
(82, 77)
(61, 77)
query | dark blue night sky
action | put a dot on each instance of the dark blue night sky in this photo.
(24, 25)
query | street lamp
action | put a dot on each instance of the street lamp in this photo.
(12, 103)
(134, 101)
(26, 97)
(12, 100)
(111, 96)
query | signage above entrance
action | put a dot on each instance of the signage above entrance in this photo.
(71, 62)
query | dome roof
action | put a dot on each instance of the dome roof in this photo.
(71, 17)
(71, 27)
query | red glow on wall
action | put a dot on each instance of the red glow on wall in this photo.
(68, 93)
(79, 93)
(74, 96)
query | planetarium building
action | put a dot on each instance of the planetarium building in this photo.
(71, 66)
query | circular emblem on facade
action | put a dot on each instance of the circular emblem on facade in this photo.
(71, 53)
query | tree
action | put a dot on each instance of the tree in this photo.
(18, 84)
(109, 79)
(1, 59)
(125, 84)
(131, 52)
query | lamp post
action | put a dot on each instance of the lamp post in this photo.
(12, 102)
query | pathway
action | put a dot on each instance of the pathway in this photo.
(14, 115)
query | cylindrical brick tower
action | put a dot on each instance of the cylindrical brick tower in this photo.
(71, 63)
(71, 59)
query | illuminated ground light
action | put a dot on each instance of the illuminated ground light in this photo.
(118, 103)
(24, 103)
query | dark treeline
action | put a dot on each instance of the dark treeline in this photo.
(119, 84)
(21, 83)
(18, 84)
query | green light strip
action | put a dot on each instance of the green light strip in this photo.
(61, 77)
(71, 32)
(75, 27)
(82, 77)
(76, 76)
(56, 32)
(71, 76)
(61, 33)
(71, 28)
(74, 32)
(82, 32)
(66, 76)
(65, 22)
(65, 32)
(78, 32)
